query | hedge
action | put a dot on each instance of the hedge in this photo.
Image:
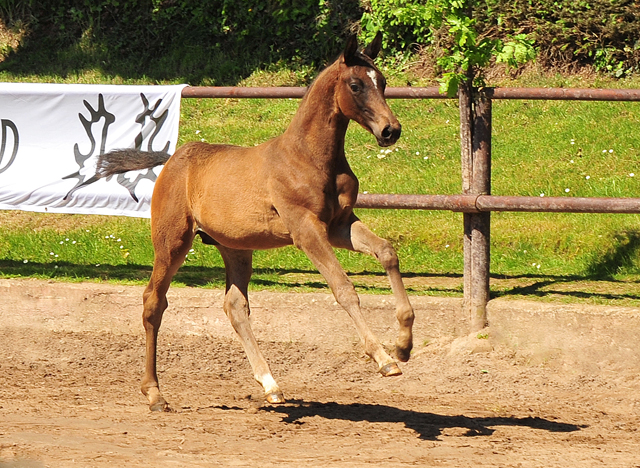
(225, 39)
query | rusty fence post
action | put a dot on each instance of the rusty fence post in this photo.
(480, 225)
(475, 149)
(466, 155)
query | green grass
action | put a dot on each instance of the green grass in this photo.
(538, 148)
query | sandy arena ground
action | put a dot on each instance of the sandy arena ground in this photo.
(551, 386)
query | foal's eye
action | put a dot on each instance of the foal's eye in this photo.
(354, 87)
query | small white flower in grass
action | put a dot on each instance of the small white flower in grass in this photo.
(365, 192)
(97, 264)
(51, 253)
(567, 190)
(119, 240)
(604, 151)
(538, 266)
(55, 266)
(382, 156)
(572, 161)
(446, 246)
(55, 256)
(610, 151)
(573, 142)
(74, 242)
(61, 242)
(25, 261)
(588, 177)
(122, 246)
(632, 174)
(417, 153)
(197, 132)
(425, 158)
(542, 194)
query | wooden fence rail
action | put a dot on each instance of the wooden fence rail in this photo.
(476, 201)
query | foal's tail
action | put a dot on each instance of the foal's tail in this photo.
(121, 161)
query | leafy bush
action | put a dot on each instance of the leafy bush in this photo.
(220, 41)
(602, 33)
(567, 33)
(225, 39)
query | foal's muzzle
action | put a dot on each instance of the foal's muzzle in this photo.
(389, 135)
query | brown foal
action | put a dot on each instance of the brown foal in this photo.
(296, 189)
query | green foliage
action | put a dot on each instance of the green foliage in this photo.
(213, 42)
(223, 41)
(602, 33)
(406, 23)
(570, 33)
(417, 22)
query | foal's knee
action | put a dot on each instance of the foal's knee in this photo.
(387, 256)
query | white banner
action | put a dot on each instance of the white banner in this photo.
(52, 134)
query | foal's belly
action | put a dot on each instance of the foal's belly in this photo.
(244, 228)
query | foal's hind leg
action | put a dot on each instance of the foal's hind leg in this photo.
(236, 306)
(171, 247)
(356, 236)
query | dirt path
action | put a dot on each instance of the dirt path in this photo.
(552, 385)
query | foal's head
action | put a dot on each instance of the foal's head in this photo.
(360, 92)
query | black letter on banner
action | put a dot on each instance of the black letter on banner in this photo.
(16, 142)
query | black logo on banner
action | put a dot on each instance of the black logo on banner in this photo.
(158, 122)
(145, 119)
(7, 125)
(95, 116)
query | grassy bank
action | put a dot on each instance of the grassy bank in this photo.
(539, 148)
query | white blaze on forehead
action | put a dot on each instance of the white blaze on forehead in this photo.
(372, 74)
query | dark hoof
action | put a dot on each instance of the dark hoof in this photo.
(275, 398)
(403, 354)
(160, 406)
(390, 370)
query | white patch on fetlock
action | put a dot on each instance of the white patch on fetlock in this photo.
(268, 383)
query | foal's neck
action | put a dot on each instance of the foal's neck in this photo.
(319, 127)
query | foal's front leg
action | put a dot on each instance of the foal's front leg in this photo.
(354, 235)
(312, 238)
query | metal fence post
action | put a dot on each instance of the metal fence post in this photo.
(480, 223)
(475, 150)
(466, 155)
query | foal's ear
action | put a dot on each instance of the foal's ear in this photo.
(350, 49)
(373, 49)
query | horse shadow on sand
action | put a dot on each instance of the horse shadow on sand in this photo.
(428, 426)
